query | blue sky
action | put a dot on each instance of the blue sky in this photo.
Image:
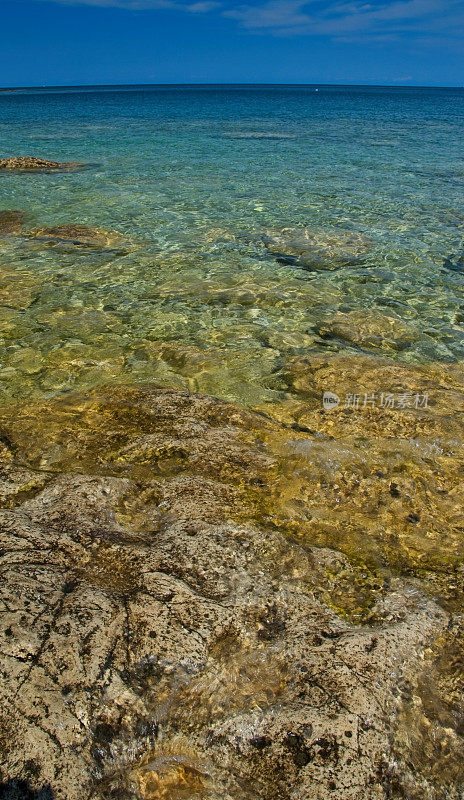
(399, 42)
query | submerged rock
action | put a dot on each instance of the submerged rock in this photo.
(369, 330)
(317, 249)
(381, 479)
(79, 235)
(169, 627)
(455, 264)
(32, 164)
(11, 222)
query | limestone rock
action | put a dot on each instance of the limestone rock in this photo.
(163, 635)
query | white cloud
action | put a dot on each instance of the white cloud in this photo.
(274, 14)
(201, 7)
(381, 20)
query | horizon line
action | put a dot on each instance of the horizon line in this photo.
(396, 85)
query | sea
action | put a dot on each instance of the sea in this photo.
(242, 221)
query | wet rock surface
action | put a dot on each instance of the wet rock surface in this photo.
(33, 164)
(380, 478)
(171, 628)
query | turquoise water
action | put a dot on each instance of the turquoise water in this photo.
(211, 187)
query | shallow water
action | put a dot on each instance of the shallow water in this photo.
(198, 180)
(262, 245)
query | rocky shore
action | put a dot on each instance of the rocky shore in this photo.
(201, 601)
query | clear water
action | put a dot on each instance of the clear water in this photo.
(210, 187)
(196, 178)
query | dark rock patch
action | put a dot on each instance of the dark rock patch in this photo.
(20, 790)
(11, 222)
(454, 263)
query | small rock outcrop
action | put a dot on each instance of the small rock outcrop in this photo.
(33, 164)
